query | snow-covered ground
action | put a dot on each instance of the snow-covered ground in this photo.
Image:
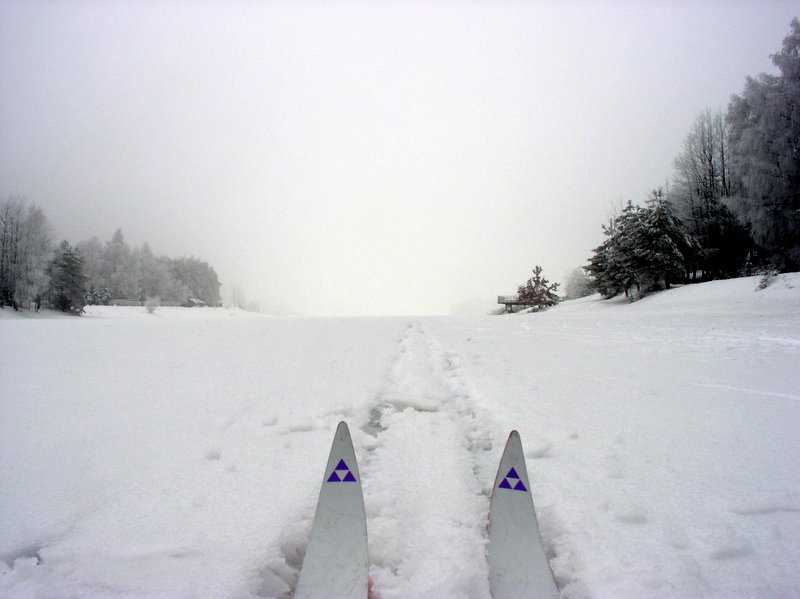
(180, 454)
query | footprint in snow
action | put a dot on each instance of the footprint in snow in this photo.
(765, 509)
(299, 425)
(269, 421)
(733, 551)
(631, 517)
(539, 450)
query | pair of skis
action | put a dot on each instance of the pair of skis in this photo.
(336, 561)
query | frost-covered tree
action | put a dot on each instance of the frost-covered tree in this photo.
(703, 166)
(155, 281)
(10, 216)
(93, 254)
(538, 292)
(67, 282)
(702, 188)
(198, 277)
(578, 284)
(24, 251)
(121, 269)
(764, 127)
(34, 251)
(117, 271)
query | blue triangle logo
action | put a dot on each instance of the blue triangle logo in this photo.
(341, 474)
(512, 474)
(519, 486)
(504, 484)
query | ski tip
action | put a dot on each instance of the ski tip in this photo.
(513, 446)
(342, 427)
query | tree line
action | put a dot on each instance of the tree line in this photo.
(734, 204)
(114, 270)
(34, 273)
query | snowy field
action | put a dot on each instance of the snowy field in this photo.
(180, 454)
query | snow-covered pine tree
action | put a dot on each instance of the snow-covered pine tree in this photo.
(538, 292)
(626, 263)
(613, 265)
(659, 245)
(67, 281)
(645, 250)
(600, 265)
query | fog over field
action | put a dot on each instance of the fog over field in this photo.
(362, 158)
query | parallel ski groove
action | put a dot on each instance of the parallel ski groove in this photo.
(425, 396)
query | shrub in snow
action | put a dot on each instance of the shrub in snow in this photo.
(151, 303)
(98, 298)
(766, 279)
(538, 292)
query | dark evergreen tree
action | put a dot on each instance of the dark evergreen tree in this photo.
(601, 268)
(659, 245)
(624, 259)
(67, 281)
(538, 292)
(613, 266)
(645, 249)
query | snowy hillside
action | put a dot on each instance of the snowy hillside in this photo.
(180, 454)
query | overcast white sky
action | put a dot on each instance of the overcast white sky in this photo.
(362, 157)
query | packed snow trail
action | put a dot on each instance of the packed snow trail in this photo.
(426, 479)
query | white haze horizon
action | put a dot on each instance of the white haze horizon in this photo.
(359, 158)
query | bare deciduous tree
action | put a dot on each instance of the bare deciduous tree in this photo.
(25, 248)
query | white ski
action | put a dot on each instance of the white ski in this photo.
(336, 561)
(518, 566)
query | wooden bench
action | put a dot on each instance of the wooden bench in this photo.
(510, 301)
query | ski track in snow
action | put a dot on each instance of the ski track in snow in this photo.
(749, 391)
(427, 505)
(427, 462)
